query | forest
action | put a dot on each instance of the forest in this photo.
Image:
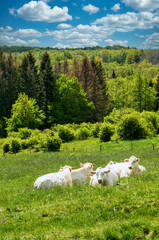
(76, 85)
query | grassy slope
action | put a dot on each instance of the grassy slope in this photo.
(127, 211)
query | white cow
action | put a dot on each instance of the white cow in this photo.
(129, 167)
(54, 179)
(136, 168)
(103, 176)
(80, 175)
(111, 162)
(120, 169)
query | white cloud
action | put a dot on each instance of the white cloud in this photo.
(39, 11)
(64, 26)
(152, 41)
(33, 41)
(111, 42)
(90, 8)
(129, 21)
(6, 29)
(142, 5)
(116, 7)
(26, 33)
(59, 45)
(11, 41)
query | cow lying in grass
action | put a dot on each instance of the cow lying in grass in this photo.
(129, 167)
(54, 179)
(103, 176)
(65, 177)
(80, 175)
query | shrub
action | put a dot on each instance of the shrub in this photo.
(15, 145)
(24, 133)
(95, 130)
(6, 147)
(106, 132)
(132, 127)
(53, 144)
(82, 133)
(65, 134)
(152, 120)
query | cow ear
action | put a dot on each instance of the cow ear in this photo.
(137, 160)
(107, 171)
(70, 169)
(81, 164)
(93, 172)
(115, 162)
(126, 160)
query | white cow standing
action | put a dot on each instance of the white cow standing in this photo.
(103, 176)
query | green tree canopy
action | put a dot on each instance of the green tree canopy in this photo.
(25, 113)
(73, 104)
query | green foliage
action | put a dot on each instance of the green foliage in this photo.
(25, 113)
(65, 134)
(95, 130)
(24, 133)
(152, 120)
(6, 147)
(106, 132)
(73, 105)
(15, 145)
(53, 144)
(12, 145)
(82, 133)
(131, 127)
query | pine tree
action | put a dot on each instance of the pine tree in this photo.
(85, 75)
(29, 80)
(98, 91)
(48, 81)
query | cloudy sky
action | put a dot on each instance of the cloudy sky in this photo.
(79, 23)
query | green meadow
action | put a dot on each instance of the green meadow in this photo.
(129, 210)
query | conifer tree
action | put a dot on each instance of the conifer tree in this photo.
(48, 81)
(85, 75)
(98, 90)
(29, 80)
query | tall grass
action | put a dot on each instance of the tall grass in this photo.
(126, 211)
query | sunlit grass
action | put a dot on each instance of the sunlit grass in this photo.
(126, 211)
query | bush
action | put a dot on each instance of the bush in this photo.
(53, 144)
(131, 127)
(15, 146)
(65, 134)
(24, 133)
(152, 120)
(6, 147)
(95, 130)
(106, 132)
(82, 133)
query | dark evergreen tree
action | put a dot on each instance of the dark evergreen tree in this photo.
(98, 91)
(29, 80)
(8, 83)
(85, 75)
(157, 95)
(48, 94)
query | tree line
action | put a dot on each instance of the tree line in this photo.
(75, 94)
(78, 90)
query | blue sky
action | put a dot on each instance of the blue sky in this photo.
(80, 23)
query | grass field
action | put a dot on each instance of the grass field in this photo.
(129, 210)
